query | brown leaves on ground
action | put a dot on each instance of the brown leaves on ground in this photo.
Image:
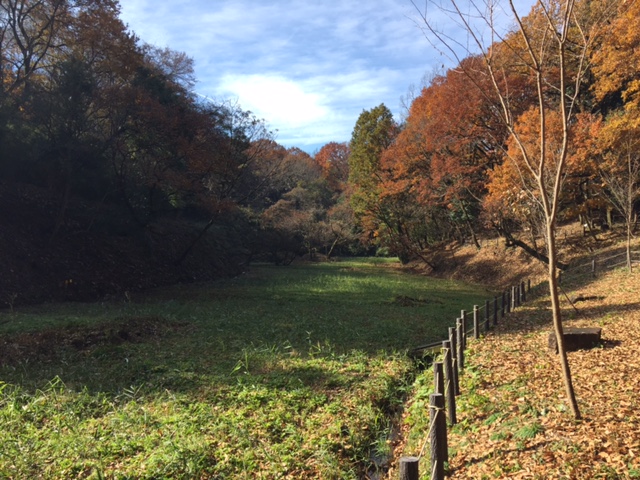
(514, 421)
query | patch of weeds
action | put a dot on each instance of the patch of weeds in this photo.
(527, 408)
(382, 446)
(493, 418)
(609, 473)
(507, 469)
(499, 436)
(528, 432)
(476, 401)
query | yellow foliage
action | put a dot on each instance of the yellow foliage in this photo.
(616, 62)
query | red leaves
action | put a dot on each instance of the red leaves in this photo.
(333, 158)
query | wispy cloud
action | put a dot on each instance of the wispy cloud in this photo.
(307, 68)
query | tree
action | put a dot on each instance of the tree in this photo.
(66, 110)
(374, 132)
(615, 61)
(340, 227)
(619, 143)
(617, 88)
(333, 159)
(553, 47)
(297, 223)
(446, 148)
(28, 30)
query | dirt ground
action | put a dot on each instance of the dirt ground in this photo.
(45, 345)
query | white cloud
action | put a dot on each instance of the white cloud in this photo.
(279, 100)
(307, 68)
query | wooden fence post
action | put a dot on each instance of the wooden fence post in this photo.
(523, 293)
(463, 318)
(439, 447)
(476, 326)
(449, 382)
(504, 304)
(508, 300)
(460, 343)
(593, 267)
(487, 322)
(495, 310)
(438, 377)
(455, 368)
(409, 468)
(528, 285)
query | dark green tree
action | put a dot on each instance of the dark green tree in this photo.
(374, 132)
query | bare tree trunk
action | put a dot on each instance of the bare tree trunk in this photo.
(469, 226)
(332, 248)
(629, 234)
(513, 241)
(557, 321)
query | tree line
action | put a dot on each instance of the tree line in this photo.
(90, 112)
(460, 163)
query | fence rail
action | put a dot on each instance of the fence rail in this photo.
(442, 404)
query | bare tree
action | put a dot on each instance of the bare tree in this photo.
(27, 33)
(550, 47)
(620, 171)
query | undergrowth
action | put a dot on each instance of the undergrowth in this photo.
(279, 373)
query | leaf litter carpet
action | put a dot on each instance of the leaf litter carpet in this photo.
(514, 421)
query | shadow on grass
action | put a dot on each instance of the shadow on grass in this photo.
(157, 355)
(187, 337)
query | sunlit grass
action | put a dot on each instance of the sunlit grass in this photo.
(282, 372)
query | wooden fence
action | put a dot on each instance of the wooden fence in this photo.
(598, 263)
(442, 403)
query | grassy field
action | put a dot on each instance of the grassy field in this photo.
(280, 373)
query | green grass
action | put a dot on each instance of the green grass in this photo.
(281, 372)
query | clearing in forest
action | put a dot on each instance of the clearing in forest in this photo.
(283, 372)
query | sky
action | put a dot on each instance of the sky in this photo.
(307, 67)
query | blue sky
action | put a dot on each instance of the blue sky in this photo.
(308, 68)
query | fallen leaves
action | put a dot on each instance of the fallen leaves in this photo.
(528, 431)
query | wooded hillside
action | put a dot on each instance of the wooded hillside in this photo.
(460, 164)
(115, 175)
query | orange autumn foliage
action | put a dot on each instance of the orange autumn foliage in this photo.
(616, 61)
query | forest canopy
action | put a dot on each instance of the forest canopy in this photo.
(108, 129)
(455, 166)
